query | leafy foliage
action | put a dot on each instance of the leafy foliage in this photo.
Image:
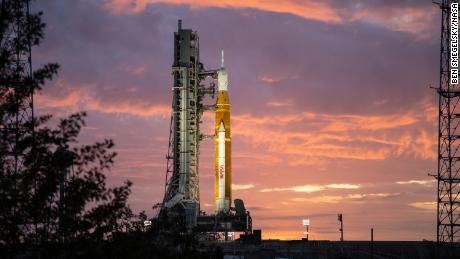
(51, 188)
(54, 200)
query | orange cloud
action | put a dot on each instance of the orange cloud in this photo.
(71, 99)
(356, 122)
(304, 188)
(341, 198)
(278, 104)
(427, 183)
(342, 186)
(306, 9)
(426, 205)
(312, 188)
(133, 108)
(236, 187)
(81, 99)
(272, 120)
(425, 145)
(319, 136)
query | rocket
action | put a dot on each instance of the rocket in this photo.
(222, 145)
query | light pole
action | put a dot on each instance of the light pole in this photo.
(340, 218)
(306, 223)
(372, 243)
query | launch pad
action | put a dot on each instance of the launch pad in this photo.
(237, 220)
(180, 209)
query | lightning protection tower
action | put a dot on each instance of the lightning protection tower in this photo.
(448, 175)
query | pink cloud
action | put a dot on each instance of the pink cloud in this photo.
(307, 9)
(80, 98)
(409, 19)
(419, 21)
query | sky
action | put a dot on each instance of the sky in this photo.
(332, 110)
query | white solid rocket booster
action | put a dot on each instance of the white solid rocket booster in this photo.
(221, 166)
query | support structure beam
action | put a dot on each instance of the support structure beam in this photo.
(182, 195)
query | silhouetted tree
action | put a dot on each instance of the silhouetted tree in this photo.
(58, 194)
(56, 203)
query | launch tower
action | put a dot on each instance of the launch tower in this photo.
(182, 194)
(180, 209)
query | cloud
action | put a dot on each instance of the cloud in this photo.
(426, 205)
(304, 188)
(321, 199)
(276, 104)
(427, 183)
(307, 9)
(309, 138)
(411, 19)
(343, 186)
(425, 143)
(82, 99)
(237, 187)
(268, 79)
(376, 122)
(340, 198)
(129, 107)
(312, 188)
(46, 101)
(133, 69)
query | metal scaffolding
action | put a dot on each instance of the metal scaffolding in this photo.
(182, 174)
(448, 176)
(180, 209)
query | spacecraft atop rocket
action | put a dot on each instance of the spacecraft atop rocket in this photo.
(222, 145)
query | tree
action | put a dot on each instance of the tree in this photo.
(58, 194)
(54, 201)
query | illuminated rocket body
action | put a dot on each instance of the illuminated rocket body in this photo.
(222, 145)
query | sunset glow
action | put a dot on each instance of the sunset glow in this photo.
(331, 106)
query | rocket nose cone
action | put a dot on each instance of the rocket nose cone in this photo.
(222, 127)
